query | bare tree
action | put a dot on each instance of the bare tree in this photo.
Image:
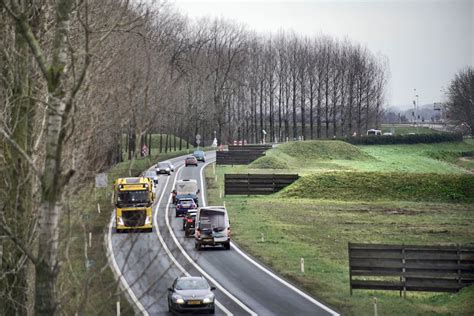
(460, 103)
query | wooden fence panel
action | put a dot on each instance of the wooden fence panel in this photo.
(410, 268)
(256, 184)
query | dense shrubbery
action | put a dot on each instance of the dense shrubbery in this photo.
(370, 186)
(404, 139)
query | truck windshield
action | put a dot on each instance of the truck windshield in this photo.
(132, 197)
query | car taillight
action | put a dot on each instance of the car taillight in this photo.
(228, 231)
(189, 220)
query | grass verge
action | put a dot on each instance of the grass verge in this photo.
(319, 230)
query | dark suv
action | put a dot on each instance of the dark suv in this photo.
(189, 221)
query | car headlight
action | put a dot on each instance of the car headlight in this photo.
(120, 221)
(178, 299)
(208, 299)
(167, 169)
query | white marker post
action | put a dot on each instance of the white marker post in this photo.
(90, 239)
(224, 203)
(118, 308)
(98, 208)
(263, 238)
(375, 307)
(302, 265)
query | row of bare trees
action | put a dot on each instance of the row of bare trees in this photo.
(77, 77)
(238, 84)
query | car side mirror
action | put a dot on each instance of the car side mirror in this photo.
(213, 288)
(199, 191)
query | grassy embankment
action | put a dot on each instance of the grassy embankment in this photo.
(102, 291)
(364, 199)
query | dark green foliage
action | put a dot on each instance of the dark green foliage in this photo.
(404, 139)
(372, 186)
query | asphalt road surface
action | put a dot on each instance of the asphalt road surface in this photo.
(149, 262)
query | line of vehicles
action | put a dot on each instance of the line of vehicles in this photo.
(133, 199)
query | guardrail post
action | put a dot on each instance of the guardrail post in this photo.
(248, 184)
(404, 280)
(350, 266)
(459, 266)
(375, 307)
(302, 265)
(118, 308)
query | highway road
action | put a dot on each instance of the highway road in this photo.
(147, 264)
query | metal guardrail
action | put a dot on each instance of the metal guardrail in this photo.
(256, 184)
(410, 268)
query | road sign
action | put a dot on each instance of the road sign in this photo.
(101, 180)
(145, 150)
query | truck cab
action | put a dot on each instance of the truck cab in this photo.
(186, 189)
(133, 199)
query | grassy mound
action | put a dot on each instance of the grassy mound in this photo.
(372, 186)
(323, 150)
(269, 162)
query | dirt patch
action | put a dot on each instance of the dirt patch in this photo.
(399, 211)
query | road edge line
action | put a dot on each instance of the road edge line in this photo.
(118, 274)
(270, 273)
(201, 270)
(168, 251)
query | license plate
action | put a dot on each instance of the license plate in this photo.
(194, 302)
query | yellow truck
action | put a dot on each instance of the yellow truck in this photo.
(133, 199)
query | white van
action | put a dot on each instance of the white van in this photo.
(376, 132)
(212, 227)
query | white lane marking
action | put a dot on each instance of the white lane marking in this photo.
(180, 267)
(276, 277)
(204, 273)
(118, 273)
(116, 269)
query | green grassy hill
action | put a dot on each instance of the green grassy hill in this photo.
(376, 186)
(322, 150)
(395, 194)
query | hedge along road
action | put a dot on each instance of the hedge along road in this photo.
(150, 262)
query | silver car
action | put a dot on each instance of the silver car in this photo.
(191, 294)
(165, 167)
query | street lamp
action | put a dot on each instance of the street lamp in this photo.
(416, 104)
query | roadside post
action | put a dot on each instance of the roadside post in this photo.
(375, 307)
(198, 140)
(302, 265)
(118, 308)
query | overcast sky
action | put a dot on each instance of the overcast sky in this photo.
(426, 41)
